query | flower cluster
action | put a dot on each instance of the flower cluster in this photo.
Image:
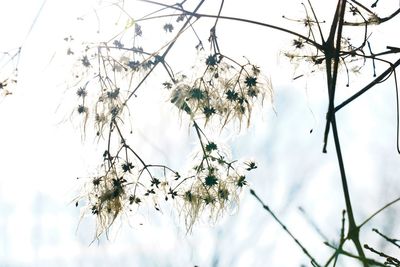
(104, 74)
(121, 188)
(109, 75)
(106, 198)
(309, 49)
(104, 105)
(9, 71)
(107, 107)
(210, 188)
(215, 186)
(224, 89)
(5, 86)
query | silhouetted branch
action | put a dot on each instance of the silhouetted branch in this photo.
(377, 80)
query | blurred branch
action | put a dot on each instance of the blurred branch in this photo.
(313, 261)
(340, 250)
(390, 240)
(390, 261)
(379, 211)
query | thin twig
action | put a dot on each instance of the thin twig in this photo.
(201, 15)
(313, 261)
(390, 240)
(379, 211)
(369, 86)
(351, 255)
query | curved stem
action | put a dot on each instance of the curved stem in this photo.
(379, 211)
(370, 85)
(249, 21)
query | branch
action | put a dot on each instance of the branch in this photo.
(375, 20)
(332, 52)
(348, 254)
(313, 261)
(369, 86)
(200, 15)
(379, 211)
(166, 50)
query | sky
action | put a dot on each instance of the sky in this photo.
(43, 152)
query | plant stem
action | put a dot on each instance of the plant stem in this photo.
(354, 230)
(332, 53)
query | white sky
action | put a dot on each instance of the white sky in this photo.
(42, 153)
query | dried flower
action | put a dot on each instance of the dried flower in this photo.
(168, 27)
(225, 91)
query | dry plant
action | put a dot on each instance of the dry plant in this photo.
(221, 90)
